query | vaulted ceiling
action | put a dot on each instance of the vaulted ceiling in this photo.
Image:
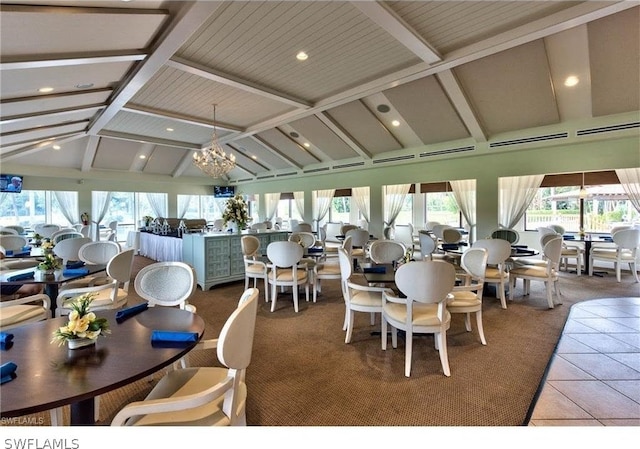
(140, 78)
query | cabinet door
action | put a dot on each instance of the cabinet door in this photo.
(236, 260)
(217, 258)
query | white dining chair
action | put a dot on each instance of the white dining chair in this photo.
(285, 272)
(254, 268)
(499, 251)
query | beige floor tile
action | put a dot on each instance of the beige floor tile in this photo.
(604, 325)
(602, 367)
(554, 405)
(598, 399)
(569, 345)
(631, 338)
(633, 323)
(630, 388)
(574, 327)
(632, 360)
(605, 342)
(565, 422)
(562, 369)
(620, 422)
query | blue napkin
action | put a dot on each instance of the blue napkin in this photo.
(26, 249)
(569, 237)
(7, 372)
(315, 250)
(450, 246)
(6, 340)
(8, 252)
(123, 314)
(375, 270)
(21, 276)
(77, 264)
(606, 238)
(173, 338)
(519, 246)
(74, 271)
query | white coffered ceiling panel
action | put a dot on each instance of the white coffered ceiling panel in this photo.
(40, 134)
(163, 159)
(37, 121)
(52, 102)
(115, 154)
(614, 47)
(320, 136)
(364, 127)
(512, 89)
(284, 145)
(251, 148)
(259, 41)
(62, 30)
(424, 106)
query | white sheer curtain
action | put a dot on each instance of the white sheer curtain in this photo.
(68, 202)
(630, 180)
(362, 199)
(514, 196)
(298, 200)
(184, 201)
(271, 201)
(394, 197)
(321, 204)
(464, 191)
(99, 206)
(158, 203)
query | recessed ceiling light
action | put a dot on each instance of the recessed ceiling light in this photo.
(142, 156)
(395, 123)
(45, 90)
(170, 129)
(302, 56)
(571, 81)
(306, 144)
(56, 147)
(254, 157)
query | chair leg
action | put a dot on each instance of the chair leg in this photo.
(347, 338)
(467, 321)
(549, 287)
(394, 337)
(618, 269)
(373, 318)
(383, 333)
(407, 354)
(503, 299)
(480, 327)
(444, 358)
(295, 297)
(266, 290)
(634, 270)
(274, 296)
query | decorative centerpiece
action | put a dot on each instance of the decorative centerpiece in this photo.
(37, 239)
(147, 219)
(84, 217)
(83, 328)
(47, 246)
(236, 210)
(50, 263)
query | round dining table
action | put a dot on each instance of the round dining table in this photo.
(50, 376)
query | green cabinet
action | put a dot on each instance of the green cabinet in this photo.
(217, 257)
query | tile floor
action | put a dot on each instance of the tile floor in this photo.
(594, 375)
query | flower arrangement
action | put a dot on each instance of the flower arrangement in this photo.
(82, 322)
(47, 245)
(50, 263)
(236, 210)
(84, 217)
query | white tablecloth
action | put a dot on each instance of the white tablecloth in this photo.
(160, 248)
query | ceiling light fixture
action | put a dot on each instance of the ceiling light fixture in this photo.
(214, 161)
(302, 56)
(395, 123)
(44, 90)
(571, 81)
(56, 147)
(170, 129)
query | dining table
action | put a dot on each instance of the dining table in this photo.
(50, 281)
(49, 376)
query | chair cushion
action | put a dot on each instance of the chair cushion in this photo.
(495, 274)
(625, 255)
(21, 313)
(286, 275)
(328, 269)
(463, 299)
(183, 382)
(530, 271)
(366, 298)
(423, 314)
(255, 269)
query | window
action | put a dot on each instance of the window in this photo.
(558, 201)
(440, 204)
(32, 206)
(340, 210)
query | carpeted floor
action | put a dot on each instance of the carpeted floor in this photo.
(303, 374)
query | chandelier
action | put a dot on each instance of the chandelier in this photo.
(214, 161)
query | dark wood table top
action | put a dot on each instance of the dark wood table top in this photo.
(50, 376)
(388, 277)
(57, 278)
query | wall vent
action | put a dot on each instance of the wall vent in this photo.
(355, 164)
(315, 170)
(606, 129)
(265, 177)
(287, 174)
(505, 143)
(448, 151)
(245, 180)
(394, 159)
